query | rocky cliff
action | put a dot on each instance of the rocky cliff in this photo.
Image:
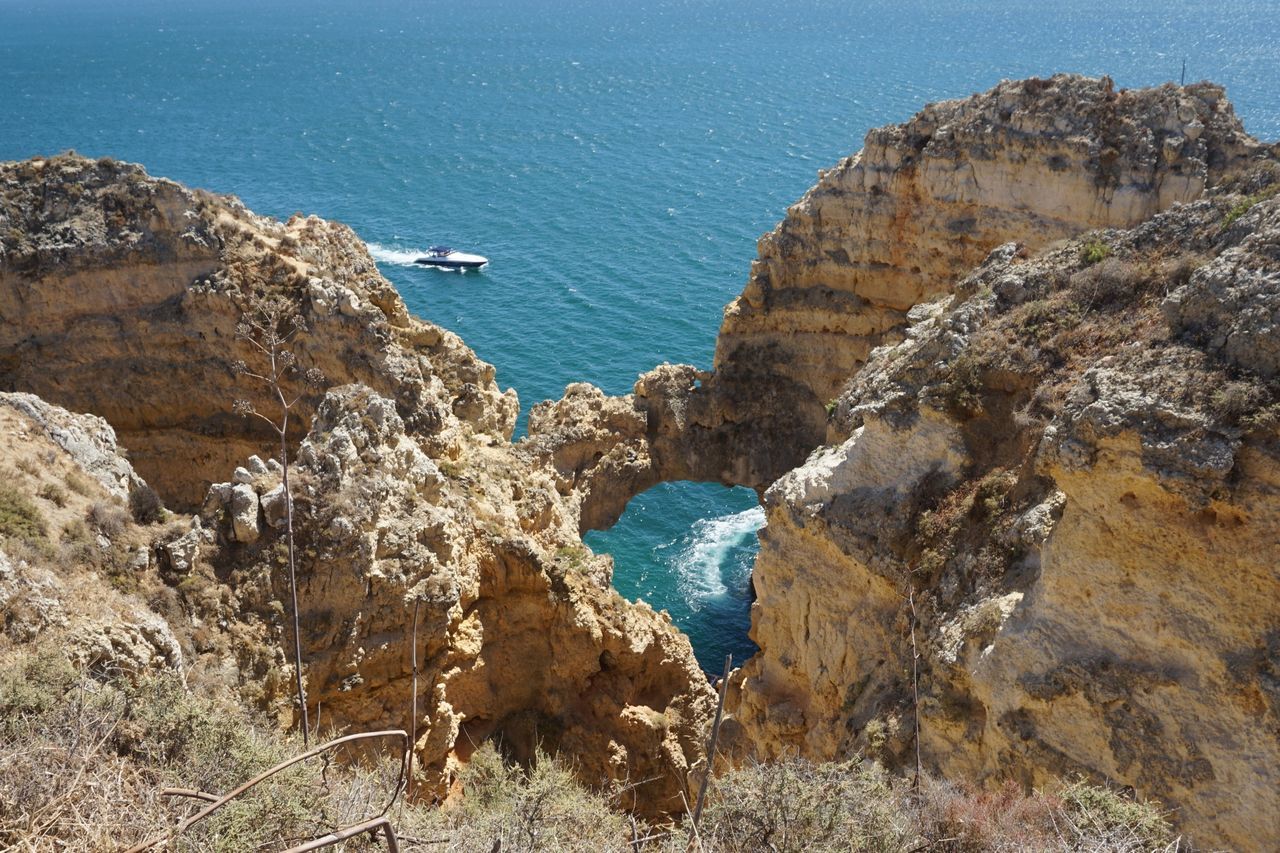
(895, 225)
(123, 295)
(1020, 481)
(1061, 490)
(1031, 161)
(1052, 477)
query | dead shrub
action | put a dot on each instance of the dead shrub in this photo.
(1108, 283)
(53, 493)
(1177, 271)
(962, 389)
(972, 819)
(1077, 816)
(1234, 402)
(109, 519)
(77, 483)
(145, 505)
(799, 806)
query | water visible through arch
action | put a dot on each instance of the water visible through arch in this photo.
(694, 562)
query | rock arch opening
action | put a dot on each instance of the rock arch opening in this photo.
(688, 548)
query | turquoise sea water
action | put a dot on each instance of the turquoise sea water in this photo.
(616, 162)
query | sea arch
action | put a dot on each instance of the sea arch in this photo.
(679, 423)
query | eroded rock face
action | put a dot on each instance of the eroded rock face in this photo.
(521, 636)
(1068, 494)
(894, 226)
(1039, 475)
(1059, 484)
(121, 294)
(1031, 161)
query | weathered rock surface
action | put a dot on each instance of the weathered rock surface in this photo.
(521, 636)
(1077, 490)
(1063, 477)
(1032, 161)
(121, 293)
(1055, 479)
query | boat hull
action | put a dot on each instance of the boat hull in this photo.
(451, 265)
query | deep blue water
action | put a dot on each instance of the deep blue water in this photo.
(616, 162)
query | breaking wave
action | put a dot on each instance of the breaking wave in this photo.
(712, 558)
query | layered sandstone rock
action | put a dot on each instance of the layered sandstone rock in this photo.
(1063, 489)
(1063, 479)
(1032, 161)
(521, 637)
(895, 225)
(122, 294)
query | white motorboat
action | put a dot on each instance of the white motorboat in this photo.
(450, 259)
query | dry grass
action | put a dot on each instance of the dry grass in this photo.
(108, 518)
(82, 762)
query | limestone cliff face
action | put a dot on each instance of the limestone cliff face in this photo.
(121, 295)
(1060, 470)
(895, 225)
(1032, 161)
(521, 637)
(1073, 475)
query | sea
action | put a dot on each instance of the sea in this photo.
(615, 161)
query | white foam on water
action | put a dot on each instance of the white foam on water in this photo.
(389, 255)
(406, 258)
(706, 550)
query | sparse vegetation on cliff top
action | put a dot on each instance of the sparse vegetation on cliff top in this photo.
(83, 759)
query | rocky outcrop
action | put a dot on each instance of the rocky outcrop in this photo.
(1062, 490)
(88, 440)
(1031, 161)
(1039, 497)
(1053, 477)
(125, 295)
(522, 638)
(70, 556)
(121, 295)
(897, 224)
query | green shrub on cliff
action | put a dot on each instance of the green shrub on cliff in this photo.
(19, 517)
(1094, 252)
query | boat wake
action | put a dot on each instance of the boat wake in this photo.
(397, 257)
(713, 556)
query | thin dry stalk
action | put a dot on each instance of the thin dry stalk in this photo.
(413, 704)
(270, 332)
(711, 747)
(915, 686)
